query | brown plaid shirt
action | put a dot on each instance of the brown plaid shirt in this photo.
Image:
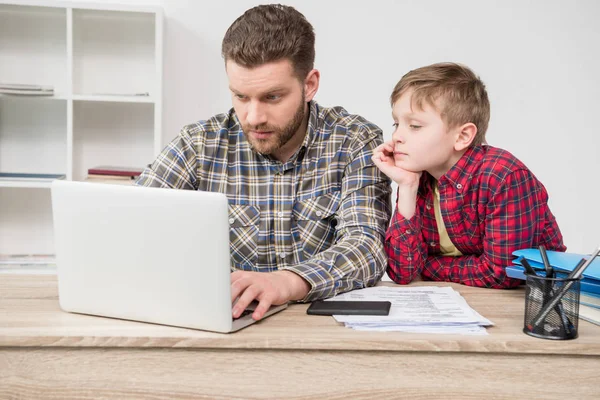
(322, 214)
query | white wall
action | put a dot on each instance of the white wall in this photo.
(540, 61)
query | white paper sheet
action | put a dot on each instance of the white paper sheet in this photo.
(424, 309)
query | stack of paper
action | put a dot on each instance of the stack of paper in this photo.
(26, 90)
(17, 176)
(420, 309)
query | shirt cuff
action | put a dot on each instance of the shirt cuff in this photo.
(402, 228)
(321, 282)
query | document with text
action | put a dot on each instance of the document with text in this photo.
(425, 309)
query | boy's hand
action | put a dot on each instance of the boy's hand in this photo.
(384, 160)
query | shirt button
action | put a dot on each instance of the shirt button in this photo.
(280, 214)
(282, 255)
(408, 231)
(231, 221)
(409, 258)
(428, 207)
(459, 186)
(319, 213)
(432, 244)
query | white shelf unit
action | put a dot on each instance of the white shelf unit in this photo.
(105, 65)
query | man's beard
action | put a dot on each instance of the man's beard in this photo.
(280, 135)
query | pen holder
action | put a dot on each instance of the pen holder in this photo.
(562, 320)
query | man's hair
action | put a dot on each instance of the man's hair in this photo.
(453, 90)
(270, 33)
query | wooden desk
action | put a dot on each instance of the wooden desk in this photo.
(47, 353)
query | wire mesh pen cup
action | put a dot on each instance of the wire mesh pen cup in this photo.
(562, 321)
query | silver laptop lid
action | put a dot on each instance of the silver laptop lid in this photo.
(147, 254)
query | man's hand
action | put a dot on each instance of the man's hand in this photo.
(268, 288)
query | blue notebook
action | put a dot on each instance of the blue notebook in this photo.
(561, 261)
(588, 286)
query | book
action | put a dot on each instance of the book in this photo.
(18, 176)
(115, 170)
(18, 260)
(561, 261)
(589, 314)
(25, 87)
(111, 177)
(587, 286)
(108, 179)
(26, 90)
(590, 299)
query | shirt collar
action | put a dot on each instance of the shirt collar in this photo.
(461, 173)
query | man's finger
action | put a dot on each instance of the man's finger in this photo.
(249, 294)
(262, 307)
(239, 285)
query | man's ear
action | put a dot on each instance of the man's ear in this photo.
(466, 135)
(311, 85)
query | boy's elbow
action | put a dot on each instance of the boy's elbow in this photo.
(495, 281)
(401, 279)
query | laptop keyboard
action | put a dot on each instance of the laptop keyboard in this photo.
(244, 313)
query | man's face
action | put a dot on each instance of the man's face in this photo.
(270, 103)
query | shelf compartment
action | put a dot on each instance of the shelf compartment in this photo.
(105, 133)
(113, 52)
(26, 221)
(33, 135)
(33, 47)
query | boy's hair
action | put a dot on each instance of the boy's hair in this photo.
(453, 90)
(269, 33)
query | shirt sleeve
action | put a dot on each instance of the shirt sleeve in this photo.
(405, 248)
(515, 218)
(357, 259)
(175, 167)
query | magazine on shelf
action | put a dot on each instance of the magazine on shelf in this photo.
(26, 90)
(24, 87)
(18, 176)
(18, 260)
(115, 171)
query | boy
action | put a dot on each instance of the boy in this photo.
(463, 207)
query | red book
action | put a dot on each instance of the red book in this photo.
(112, 170)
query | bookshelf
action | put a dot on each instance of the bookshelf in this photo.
(104, 63)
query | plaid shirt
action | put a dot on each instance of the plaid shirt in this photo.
(322, 214)
(491, 205)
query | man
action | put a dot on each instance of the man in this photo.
(308, 209)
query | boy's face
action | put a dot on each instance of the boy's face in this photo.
(422, 141)
(270, 103)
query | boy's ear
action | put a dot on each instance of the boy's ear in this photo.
(466, 135)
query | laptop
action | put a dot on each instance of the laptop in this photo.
(145, 254)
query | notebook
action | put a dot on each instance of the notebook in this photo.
(145, 254)
(562, 261)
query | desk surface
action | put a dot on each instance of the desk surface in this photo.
(30, 317)
(46, 353)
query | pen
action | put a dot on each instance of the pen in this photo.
(547, 266)
(567, 325)
(548, 285)
(575, 274)
(528, 268)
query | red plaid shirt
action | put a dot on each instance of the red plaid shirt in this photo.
(491, 204)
